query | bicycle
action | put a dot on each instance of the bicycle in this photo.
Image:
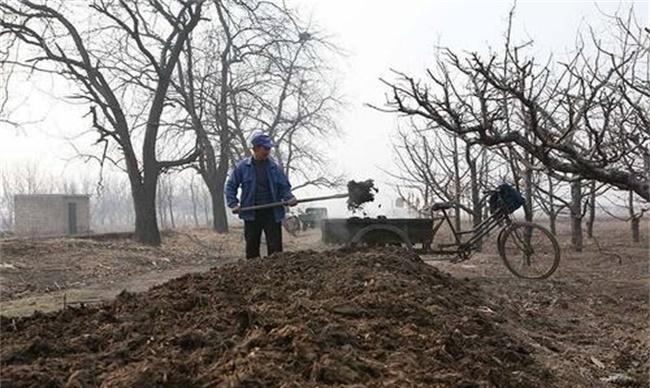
(527, 249)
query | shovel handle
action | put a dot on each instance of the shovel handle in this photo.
(265, 206)
(284, 203)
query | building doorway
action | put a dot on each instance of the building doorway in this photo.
(72, 218)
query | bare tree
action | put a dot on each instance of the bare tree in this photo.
(195, 201)
(551, 196)
(123, 66)
(628, 203)
(256, 68)
(415, 172)
(545, 195)
(586, 117)
(636, 213)
(440, 168)
(203, 89)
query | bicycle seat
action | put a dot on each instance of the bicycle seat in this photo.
(442, 206)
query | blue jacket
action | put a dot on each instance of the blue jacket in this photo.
(244, 175)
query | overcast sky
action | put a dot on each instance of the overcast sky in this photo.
(377, 35)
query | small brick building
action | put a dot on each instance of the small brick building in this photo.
(49, 215)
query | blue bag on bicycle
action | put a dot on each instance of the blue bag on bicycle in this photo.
(506, 198)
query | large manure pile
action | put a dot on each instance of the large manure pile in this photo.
(377, 318)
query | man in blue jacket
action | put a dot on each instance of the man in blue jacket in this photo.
(262, 181)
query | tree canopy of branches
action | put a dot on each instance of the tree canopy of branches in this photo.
(584, 118)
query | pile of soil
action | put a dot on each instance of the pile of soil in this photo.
(378, 317)
(360, 193)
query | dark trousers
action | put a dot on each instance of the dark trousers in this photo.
(264, 220)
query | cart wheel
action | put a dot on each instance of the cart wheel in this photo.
(529, 250)
(380, 232)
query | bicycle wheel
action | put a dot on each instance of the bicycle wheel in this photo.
(529, 250)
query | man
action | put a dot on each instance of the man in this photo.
(262, 181)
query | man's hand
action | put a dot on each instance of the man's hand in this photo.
(235, 209)
(292, 202)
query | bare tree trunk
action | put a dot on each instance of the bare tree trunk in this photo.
(146, 223)
(194, 204)
(576, 215)
(484, 183)
(528, 194)
(161, 213)
(219, 220)
(219, 216)
(170, 205)
(456, 184)
(634, 224)
(591, 219)
(552, 223)
(475, 189)
(646, 165)
(552, 214)
(634, 219)
(206, 206)
(215, 180)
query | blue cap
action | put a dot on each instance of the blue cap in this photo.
(263, 140)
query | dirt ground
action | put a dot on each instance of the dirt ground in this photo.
(590, 322)
(41, 274)
(588, 325)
